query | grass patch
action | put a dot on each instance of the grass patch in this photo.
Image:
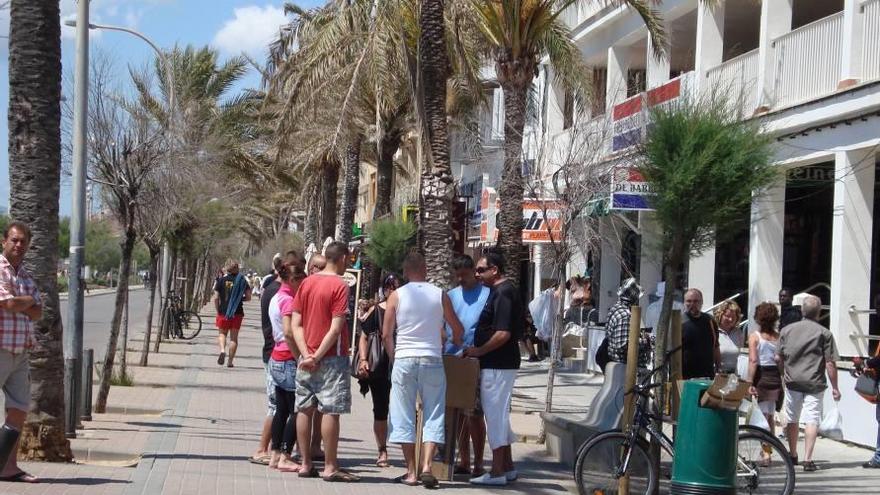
(120, 379)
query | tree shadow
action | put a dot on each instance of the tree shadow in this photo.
(80, 481)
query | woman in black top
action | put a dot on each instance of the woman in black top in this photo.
(373, 367)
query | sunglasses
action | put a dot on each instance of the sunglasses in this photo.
(482, 269)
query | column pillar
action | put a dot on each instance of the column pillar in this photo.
(775, 21)
(710, 40)
(657, 69)
(853, 44)
(701, 275)
(618, 66)
(609, 276)
(851, 245)
(766, 247)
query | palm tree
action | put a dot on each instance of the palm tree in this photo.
(518, 34)
(436, 189)
(350, 190)
(34, 175)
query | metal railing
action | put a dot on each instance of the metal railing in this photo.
(871, 34)
(808, 61)
(739, 78)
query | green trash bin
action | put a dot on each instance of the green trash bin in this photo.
(705, 446)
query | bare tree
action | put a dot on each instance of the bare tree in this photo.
(127, 149)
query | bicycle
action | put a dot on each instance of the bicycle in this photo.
(763, 463)
(183, 324)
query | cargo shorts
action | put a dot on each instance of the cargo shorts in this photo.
(328, 387)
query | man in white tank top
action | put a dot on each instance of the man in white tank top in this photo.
(418, 312)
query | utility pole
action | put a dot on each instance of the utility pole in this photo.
(73, 337)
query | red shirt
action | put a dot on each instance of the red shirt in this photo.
(320, 298)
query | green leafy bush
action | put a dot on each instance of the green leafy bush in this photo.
(390, 241)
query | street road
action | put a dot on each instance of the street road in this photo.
(98, 313)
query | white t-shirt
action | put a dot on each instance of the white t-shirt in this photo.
(419, 321)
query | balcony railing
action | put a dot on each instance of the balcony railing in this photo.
(808, 61)
(871, 35)
(738, 77)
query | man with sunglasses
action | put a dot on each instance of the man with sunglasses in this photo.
(496, 344)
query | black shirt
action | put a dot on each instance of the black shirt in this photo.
(223, 287)
(268, 338)
(503, 312)
(789, 315)
(698, 346)
(271, 279)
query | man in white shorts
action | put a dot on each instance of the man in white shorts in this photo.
(496, 344)
(806, 350)
(413, 333)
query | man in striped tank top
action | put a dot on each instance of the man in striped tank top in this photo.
(418, 311)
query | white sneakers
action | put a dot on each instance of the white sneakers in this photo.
(488, 480)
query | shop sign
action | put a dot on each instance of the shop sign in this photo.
(630, 190)
(541, 219)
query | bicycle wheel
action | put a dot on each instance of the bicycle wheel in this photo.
(189, 324)
(601, 457)
(764, 464)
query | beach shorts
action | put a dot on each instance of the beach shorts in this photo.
(233, 324)
(328, 387)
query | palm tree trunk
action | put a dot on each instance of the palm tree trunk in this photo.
(121, 292)
(329, 190)
(388, 147)
(34, 177)
(510, 194)
(435, 195)
(313, 208)
(351, 185)
(154, 263)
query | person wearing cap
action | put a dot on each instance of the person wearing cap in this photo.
(617, 327)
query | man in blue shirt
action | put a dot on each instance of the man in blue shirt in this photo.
(468, 300)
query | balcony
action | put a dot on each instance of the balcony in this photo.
(807, 61)
(871, 35)
(738, 77)
(804, 64)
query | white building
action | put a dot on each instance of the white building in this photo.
(811, 70)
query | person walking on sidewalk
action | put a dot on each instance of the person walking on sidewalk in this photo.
(764, 367)
(807, 351)
(230, 293)
(468, 300)
(19, 306)
(374, 367)
(496, 345)
(417, 312)
(282, 364)
(262, 455)
(320, 308)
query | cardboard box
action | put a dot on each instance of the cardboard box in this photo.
(713, 398)
(462, 380)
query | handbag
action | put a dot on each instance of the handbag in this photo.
(868, 383)
(868, 386)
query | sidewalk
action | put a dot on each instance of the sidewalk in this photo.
(189, 425)
(839, 463)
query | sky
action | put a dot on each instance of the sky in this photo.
(231, 26)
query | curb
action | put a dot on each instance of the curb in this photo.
(63, 296)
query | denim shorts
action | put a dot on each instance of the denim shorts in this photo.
(417, 376)
(283, 374)
(328, 387)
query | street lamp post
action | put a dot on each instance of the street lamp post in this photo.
(73, 346)
(73, 340)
